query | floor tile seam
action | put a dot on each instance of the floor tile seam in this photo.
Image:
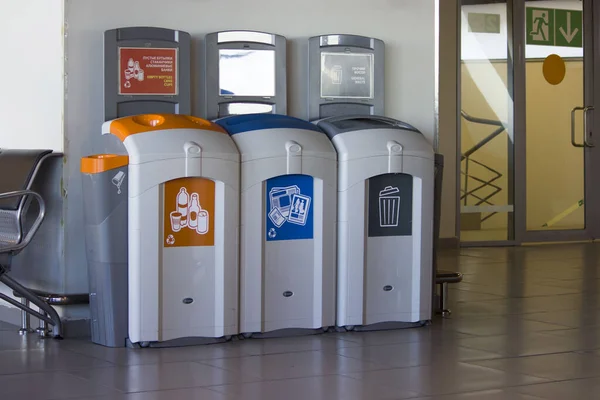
(380, 367)
(384, 367)
(502, 387)
(258, 379)
(195, 359)
(547, 379)
(546, 332)
(91, 383)
(549, 383)
(213, 387)
(331, 351)
(507, 356)
(417, 394)
(427, 340)
(67, 370)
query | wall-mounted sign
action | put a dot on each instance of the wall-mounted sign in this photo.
(147, 71)
(554, 27)
(483, 23)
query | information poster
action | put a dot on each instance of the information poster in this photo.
(147, 71)
(347, 75)
(289, 207)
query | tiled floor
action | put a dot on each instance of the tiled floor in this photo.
(525, 326)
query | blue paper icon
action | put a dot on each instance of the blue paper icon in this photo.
(289, 207)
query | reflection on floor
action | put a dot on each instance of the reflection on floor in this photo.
(495, 235)
(484, 235)
(525, 326)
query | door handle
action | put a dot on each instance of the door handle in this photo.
(573, 141)
(587, 133)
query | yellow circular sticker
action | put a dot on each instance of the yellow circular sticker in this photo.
(554, 69)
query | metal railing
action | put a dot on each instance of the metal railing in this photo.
(477, 192)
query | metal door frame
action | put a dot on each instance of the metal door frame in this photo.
(591, 13)
(511, 151)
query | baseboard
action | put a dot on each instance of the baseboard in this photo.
(449, 243)
(77, 328)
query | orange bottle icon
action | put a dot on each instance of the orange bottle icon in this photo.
(183, 199)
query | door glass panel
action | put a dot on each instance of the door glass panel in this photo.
(486, 139)
(555, 168)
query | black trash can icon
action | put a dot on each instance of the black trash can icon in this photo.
(389, 207)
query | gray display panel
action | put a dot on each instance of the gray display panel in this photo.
(146, 70)
(245, 73)
(346, 76)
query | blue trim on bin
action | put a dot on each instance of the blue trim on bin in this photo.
(256, 122)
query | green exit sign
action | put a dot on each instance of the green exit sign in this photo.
(483, 23)
(554, 27)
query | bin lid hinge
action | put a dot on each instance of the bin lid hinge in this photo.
(395, 156)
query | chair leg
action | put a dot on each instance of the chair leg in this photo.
(41, 329)
(42, 305)
(25, 319)
(444, 300)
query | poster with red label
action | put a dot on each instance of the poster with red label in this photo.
(147, 71)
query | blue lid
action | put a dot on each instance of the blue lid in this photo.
(255, 122)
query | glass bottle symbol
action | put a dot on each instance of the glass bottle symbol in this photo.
(193, 212)
(182, 205)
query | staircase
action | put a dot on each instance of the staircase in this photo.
(475, 189)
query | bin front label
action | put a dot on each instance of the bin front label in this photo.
(189, 212)
(390, 205)
(147, 71)
(289, 213)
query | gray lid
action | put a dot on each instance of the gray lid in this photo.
(336, 125)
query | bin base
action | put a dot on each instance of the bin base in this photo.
(180, 342)
(384, 326)
(289, 332)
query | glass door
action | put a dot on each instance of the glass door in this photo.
(555, 185)
(486, 141)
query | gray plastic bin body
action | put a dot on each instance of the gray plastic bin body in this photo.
(105, 210)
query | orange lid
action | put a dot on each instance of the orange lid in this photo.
(97, 163)
(127, 126)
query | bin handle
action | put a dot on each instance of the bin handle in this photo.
(386, 120)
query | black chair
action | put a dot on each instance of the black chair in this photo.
(18, 203)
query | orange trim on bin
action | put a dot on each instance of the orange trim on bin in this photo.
(98, 163)
(127, 126)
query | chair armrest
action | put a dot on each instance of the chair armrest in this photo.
(36, 224)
